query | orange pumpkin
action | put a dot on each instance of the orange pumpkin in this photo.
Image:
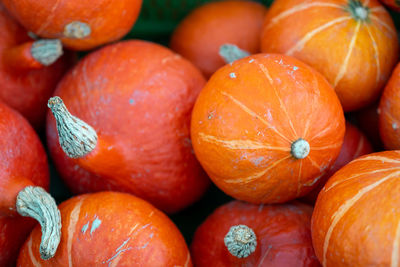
(135, 98)
(352, 43)
(393, 4)
(111, 229)
(355, 144)
(201, 34)
(266, 127)
(240, 234)
(80, 25)
(389, 112)
(356, 218)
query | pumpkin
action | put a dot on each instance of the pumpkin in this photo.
(24, 176)
(80, 25)
(389, 113)
(133, 100)
(201, 34)
(393, 4)
(266, 128)
(27, 80)
(242, 234)
(355, 144)
(352, 43)
(111, 229)
(356, 217)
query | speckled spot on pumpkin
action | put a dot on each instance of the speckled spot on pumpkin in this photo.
(232, 75)
(96, 223)
(84, 228)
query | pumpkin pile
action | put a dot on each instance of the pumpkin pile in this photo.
(200, 133)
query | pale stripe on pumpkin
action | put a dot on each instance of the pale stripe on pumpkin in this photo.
(342, 210)
(31, 256)
(396, 247)
(253, 114)
(264, 69)
(298, 8)
(73, 219)
(300, 44)
(240, 144)
(376, 55)
(386, 26)
(345, 64)
(258, 174)
(378, 158)
(358, 175)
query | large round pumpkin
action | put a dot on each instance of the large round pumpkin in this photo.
(355, 144)
(26, 84)
(23, 167)
(201, 34)
(81, 25)
(280, 235)
(136, 97)
(352, 43)
(111, 229)
(356, 218)
(266, 128)
(389, 112)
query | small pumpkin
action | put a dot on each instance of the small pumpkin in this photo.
(355, 144)
(352, 43)
(242, 234)
(111, 229)
(201, 34)
(266, 128)
(24, 177)
(393, 4)
(29, 70)
(389, 112)
(356, 217)
(80, 25)
(133, 100)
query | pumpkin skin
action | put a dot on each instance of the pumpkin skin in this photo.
(393, 4)
(389, 113)
(111, 228)
(138, 96)
(28, 89)
(24, 163)
(108, 20)
(344, 236)
(355, 144)
(200, 35)
(249, 115)
(356, 56)
(285, 240)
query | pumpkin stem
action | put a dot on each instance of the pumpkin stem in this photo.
(46, 51)
(77, 30)
(358, 10)
(76, 137)
(230, 53)
(300, 148)
(240, 241)
(35, 202)
(33, 54)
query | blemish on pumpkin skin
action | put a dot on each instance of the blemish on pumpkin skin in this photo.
(395, 126)
(96, 223)
(84, 228)
(131, 102)
(257, 161)
(232, 75)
